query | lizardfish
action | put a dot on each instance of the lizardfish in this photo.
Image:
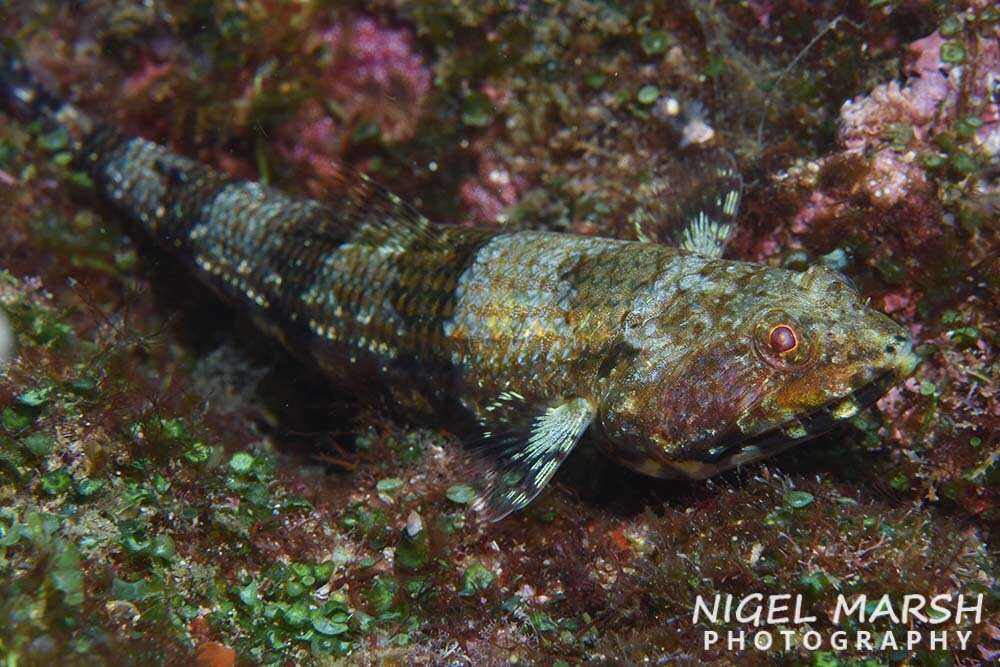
(678, 363)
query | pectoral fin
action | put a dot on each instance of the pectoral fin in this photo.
(522, 450)
(710, 224)
(700, 215)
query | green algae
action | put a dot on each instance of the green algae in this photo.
(476, 579)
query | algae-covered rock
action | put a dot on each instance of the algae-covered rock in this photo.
(175, 489)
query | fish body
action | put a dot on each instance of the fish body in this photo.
(678, 362)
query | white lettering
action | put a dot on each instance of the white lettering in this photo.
(939, 639)
(883, 608)
(912, 604)
(942, 614)
(913, 610)
(774, 607)
(978, 608)
(842, 608)
(799, 618)
(758, 611)
(700, 606)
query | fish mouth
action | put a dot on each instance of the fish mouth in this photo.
(736, 448)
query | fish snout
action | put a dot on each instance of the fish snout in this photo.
(900, 358)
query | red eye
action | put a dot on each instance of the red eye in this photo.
(782, 339)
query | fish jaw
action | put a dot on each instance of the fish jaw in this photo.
(734, 400)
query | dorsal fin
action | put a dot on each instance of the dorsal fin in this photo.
(370, 212)
(706, 191)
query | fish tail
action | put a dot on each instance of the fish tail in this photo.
(231, 232)
(361, 270)
(22, 95)
(202, 215)
(277, 258)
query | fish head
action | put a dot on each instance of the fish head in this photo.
(746, 363)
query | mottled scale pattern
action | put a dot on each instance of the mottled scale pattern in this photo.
(365, 285)
(370, 289)
(336, 281)
(680, 363)
(534, 309)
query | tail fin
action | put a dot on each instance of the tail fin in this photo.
(22, 96)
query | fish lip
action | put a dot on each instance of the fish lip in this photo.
(815, 423)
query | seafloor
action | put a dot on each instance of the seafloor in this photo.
(175, 488)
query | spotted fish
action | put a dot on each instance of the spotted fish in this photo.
(676, 362)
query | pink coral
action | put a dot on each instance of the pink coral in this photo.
(140, 82)
(901, 302)
(373, 73)
(935, 95)
(929, 100)
(819, 204)
(762, 12)
(380, 63)
(312, 138)
(865, 120)
(892, 177)
(492, 189)
(925, 55)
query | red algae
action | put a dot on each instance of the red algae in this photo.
(492, 190)
(367, 73)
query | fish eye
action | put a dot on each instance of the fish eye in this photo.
(782, 339)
